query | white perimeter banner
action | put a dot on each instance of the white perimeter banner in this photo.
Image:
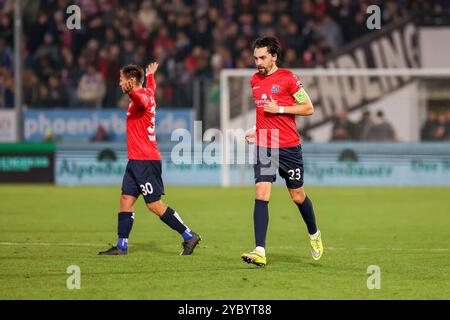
(8, 126)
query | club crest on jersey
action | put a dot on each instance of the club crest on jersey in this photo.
(275, 88)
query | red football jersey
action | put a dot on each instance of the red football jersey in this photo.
(141, 135)
(275, 130)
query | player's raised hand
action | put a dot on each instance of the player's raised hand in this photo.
(271, 106)
(151, 68)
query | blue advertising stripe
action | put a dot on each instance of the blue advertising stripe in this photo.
(81, 125)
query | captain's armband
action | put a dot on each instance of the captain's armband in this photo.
(301, 96)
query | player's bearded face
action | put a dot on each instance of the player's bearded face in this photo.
(264, 69)
(264, 60)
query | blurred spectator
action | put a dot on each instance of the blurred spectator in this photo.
(343, 128)
(312, 55)
(202, 34)
(363, 125)
(447, 126)
(391, 12)
(58, 92)
(91, 88)
(290, 59)
(6, 88)
(329, 30)
(6, 26)
(381, 130)
(164, 41)
(292, 39)
(265, 22)
(109, 68)
(148, 17)
(47, 49)
(428, 131)
(6, 55)
(43, 98)
(101, 135)
(440, 131)
(436, 126)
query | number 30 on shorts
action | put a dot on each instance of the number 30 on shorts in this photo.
(295, 174)
(146, 188)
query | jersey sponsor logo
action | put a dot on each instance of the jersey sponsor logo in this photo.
(263, 100)
(275, 88)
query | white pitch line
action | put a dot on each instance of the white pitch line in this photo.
(367, 249)
(51, 244)
(274, 247)
(392, 249)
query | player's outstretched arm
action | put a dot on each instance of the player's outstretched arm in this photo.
(149, 72)
(304, 108)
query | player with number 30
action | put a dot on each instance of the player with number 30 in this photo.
(143, 171)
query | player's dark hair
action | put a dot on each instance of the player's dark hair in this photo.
(133, 71)
(272, 44)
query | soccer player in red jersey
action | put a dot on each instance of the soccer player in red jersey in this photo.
(143, 171)
(279, 96)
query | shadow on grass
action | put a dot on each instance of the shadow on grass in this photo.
(154, 247)
(292, 260)
(276, 257)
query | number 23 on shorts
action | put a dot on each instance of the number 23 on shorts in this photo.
(294, 174)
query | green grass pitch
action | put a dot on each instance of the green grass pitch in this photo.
(404, 231)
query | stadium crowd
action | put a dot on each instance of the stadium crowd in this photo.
(190, 39)
(375, 128)
(436, 126)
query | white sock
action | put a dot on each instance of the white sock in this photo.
(311, 236)
(262, 250)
